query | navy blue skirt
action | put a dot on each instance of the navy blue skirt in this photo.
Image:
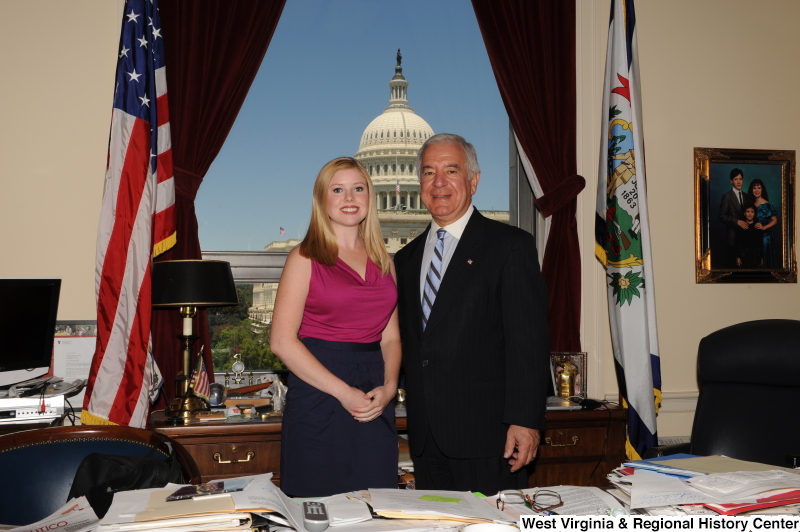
(324, 450)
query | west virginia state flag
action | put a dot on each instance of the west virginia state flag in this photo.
(623, 233)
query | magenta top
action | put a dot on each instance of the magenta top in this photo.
(343, 307)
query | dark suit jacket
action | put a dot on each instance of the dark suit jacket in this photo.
(730, 212)
(482, 363)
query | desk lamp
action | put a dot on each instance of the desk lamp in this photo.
(188, 285)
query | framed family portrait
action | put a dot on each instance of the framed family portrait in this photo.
(744, 216)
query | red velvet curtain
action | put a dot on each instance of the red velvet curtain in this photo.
(531, 45)
(214, 50)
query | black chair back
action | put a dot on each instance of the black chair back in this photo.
(749, 402)
(39, 465)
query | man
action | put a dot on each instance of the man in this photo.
(473, 322)
(730, 213)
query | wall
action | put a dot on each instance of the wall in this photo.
(715, 73)
(57, 60)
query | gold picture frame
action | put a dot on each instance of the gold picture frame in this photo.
(762, 180)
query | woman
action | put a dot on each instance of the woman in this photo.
(766, 218)
(338, 294)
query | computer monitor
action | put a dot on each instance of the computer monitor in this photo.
(28, 309)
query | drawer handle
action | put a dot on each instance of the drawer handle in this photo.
(550, 442)
(218, 458)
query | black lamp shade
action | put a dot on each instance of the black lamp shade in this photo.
(193, 283)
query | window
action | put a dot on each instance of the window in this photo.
(263, 177)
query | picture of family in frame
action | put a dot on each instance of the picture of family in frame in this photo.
(744, 215)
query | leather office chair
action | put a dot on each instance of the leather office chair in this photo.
(749, 402)
(38, 466)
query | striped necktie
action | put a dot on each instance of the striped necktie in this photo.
(434, 278)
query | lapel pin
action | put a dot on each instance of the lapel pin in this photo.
(469, 261)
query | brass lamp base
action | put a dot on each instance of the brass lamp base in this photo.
(183, 409)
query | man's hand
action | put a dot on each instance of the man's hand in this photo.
(743, 224)
(521, 446)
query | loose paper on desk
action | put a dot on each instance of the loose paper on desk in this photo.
(195, 523)
(127, 504)
(147, 509)
(580, 500)
(261, 495)
(425, 504)
(158, 507)
(76, 516)
(653, 489)
(664, 464)
(722, 464)
(735, 486)
(787, 503)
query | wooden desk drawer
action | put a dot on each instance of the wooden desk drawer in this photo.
(235, 459)
(572, 441)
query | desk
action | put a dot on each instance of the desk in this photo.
(575, 446)
(224, 450)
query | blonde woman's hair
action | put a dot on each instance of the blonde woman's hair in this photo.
(320, 243)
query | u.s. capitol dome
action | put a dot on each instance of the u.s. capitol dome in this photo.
(389, 146)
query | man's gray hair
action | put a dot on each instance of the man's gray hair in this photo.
(469, 152)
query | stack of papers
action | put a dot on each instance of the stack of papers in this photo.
(714, 484)
(666, 465)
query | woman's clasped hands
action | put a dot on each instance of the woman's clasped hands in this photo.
(365, 407)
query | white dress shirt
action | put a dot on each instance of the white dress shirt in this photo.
(451, 239)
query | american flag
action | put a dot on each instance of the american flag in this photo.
(397, 185)
(137, 222)
(283, 231)
(199, 380)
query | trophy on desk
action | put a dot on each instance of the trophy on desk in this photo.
(566, 373)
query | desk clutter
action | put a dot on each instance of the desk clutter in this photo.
(682, 484)
(669, 487)
(256, 503)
